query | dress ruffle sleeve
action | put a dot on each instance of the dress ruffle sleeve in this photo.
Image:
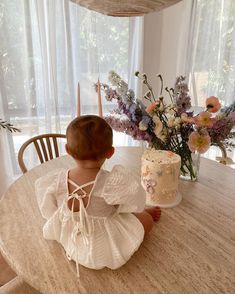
(46, 190)
(121, 188)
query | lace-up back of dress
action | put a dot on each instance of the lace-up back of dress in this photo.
(94, 203)
(82, 192)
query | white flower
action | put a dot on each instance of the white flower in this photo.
(174, 122)
(131, 93)
(177, 121)
(122, 88)
(155, 119)
(170, 122)
(162, 136)
(114, 78)
(114, 81)
(158, 126)
(143, 126)
(172, 109)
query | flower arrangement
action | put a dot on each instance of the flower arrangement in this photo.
(169, 126)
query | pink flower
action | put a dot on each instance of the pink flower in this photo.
(204, 119)
(151, 107)
(212, 104)
(199, 142)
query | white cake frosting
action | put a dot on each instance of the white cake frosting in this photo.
(160, 176)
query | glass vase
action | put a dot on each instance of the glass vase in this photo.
(190, 167)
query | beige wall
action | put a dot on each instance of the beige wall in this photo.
(165, 43)
(152, 45)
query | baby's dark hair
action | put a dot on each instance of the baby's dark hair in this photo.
(89, 137)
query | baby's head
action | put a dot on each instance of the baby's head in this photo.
(89, 137)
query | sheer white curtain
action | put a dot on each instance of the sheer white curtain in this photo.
(6, 171)
(212, 55)
(46, 48)
(136, 49)
(212, 52)
(135, 63)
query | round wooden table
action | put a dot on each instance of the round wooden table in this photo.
(190, 250)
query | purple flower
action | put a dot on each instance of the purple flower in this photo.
(122, 124)
(131, 110)
(229, 109)
(181, 85)
(231, 117)
(221, 128)
(183, 102)
(132, 107)
(181, 96)
(110, 94)
(146, 119)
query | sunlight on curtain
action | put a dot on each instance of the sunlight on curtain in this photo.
(212, 55)
(6, 171)
(46, 48)
(211, 65)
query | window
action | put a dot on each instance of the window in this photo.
(213, 51)
(46, 48)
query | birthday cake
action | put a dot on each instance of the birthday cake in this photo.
(160, 177)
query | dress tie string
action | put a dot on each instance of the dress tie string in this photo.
(81, 225)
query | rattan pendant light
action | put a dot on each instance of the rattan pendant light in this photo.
(125, 7)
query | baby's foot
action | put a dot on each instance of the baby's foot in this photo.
(155, 212)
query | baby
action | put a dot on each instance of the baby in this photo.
(96, 215)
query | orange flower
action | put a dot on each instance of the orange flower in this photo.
(199, 142)
(151, 107)
(212, 104)
(204, 119)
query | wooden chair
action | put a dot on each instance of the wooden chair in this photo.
(46, 146)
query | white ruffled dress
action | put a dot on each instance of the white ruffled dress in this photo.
(105, 233)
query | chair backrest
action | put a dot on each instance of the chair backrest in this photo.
(46, 146)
